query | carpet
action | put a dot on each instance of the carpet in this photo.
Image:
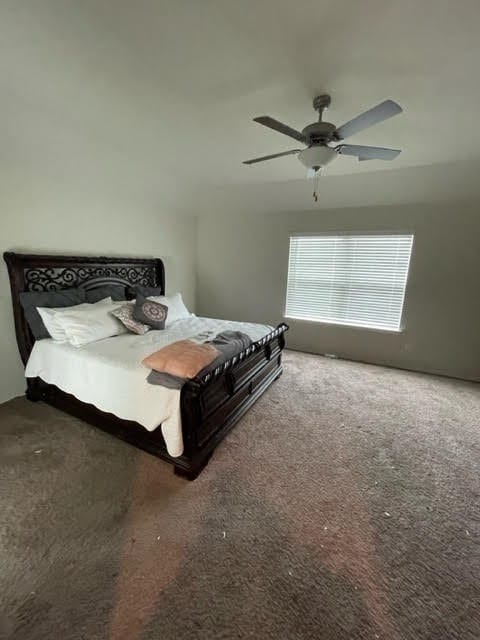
(344, 505)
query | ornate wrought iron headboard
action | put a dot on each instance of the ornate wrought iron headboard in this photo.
(47, 273)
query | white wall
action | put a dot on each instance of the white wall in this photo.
(84, 163)
(243, 268)
(39, 215)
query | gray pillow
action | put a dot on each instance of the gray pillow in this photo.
(51, 299)
(146, 291)
(149, 312)
(165, 379)
(113, 291)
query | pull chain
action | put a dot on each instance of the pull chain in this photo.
(315, 184)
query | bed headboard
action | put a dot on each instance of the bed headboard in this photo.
(29, 272)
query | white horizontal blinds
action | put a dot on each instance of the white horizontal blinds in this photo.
(354, 280)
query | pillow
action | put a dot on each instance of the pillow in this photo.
(30, 300)
(125, 315)
(50, 318)
(90, 324)
(165, 380)
(145, 291)
(150, 312)
(176, 307)
(113, 291)
(183, 359)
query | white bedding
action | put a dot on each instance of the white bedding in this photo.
(109, 373)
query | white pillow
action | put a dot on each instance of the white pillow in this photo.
(86, 325)
(49, 317)
(176, 307)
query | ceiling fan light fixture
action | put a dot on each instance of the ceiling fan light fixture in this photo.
(317, 156)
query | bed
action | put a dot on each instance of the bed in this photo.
(192, 420)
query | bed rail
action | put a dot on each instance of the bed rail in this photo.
(207, 378)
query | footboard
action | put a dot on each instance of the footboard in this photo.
(213, 403)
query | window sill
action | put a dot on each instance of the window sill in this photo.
(346, 324)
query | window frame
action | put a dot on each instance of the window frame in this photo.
(333, 233)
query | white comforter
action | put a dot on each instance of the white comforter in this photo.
(109, 373)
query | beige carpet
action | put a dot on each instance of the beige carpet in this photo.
(345, 505)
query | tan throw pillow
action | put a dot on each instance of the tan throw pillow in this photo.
(183, 358)
(125, 315)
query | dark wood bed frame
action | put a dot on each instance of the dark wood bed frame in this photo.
(210, 405)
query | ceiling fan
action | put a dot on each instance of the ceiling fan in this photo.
(320, 135)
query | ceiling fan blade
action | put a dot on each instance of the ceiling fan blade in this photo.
(381, 112)
(274, 155)
(367, 153)
(271, 123)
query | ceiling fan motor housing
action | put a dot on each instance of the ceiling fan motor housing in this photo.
(319, 132)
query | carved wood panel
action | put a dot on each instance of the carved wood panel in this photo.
(51, 278)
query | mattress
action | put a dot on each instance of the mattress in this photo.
(110, 375)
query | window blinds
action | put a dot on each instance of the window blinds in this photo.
(356, 280)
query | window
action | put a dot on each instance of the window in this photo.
(352, 280)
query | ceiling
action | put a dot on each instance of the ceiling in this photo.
(155, 98)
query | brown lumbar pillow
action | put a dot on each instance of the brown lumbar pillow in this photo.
(183, 358)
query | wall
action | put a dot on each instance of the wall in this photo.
(86, 149)
(43, 216)
(243, 269)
